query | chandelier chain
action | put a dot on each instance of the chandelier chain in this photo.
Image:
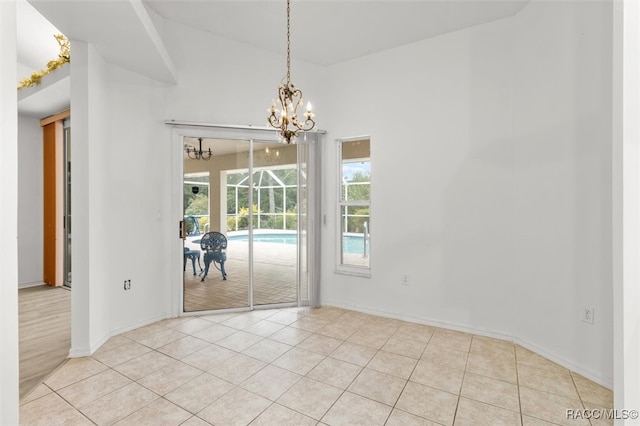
(288, 42)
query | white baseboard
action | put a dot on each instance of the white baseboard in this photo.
(607, 382)
(79, 352)
(30, 284)
(422, 320)
(142, 323)
(82, 352)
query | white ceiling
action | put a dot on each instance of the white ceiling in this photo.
(326, 32)
(36, 44)
(323, 32)
(35, 47)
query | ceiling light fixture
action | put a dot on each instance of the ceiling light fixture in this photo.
(197, 154)
(284, 111)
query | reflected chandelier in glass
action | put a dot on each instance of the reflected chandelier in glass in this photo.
(197, 154)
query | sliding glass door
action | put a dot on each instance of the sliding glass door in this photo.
(254, 194)
(275, 224)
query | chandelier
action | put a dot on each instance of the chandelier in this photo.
(284, 111)
(197, 154)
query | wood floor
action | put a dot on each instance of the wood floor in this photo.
(45, 333)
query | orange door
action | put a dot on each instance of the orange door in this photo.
(49, 202)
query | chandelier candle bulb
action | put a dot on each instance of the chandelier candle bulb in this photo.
(309, 114)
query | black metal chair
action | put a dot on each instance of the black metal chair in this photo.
(214, 244)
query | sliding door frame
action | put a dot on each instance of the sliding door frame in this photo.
(181, 130)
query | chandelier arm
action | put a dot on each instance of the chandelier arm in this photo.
(298, 93)
(282, 93)
(312, 124)
(273, 120)
(307, 125)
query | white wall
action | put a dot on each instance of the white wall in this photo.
(137, 187)
(120, 163)
(491, 183)
(562, 164)
(8, 217)
(225, 82)
(439, 116)
(90, 301)
(30, 195)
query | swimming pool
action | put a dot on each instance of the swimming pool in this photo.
(350, 243)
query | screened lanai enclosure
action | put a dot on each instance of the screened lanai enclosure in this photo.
(275, 194)
(256, 194)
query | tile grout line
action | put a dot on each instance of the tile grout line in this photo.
(466, 363)
(409, 379)
(347, 387)
(302, 376)
(573, 380)
(515, 355)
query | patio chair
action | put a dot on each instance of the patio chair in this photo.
(194, 255)
(214, 244)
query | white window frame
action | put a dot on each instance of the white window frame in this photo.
(342, 268)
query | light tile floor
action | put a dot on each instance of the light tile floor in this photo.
(300, 366)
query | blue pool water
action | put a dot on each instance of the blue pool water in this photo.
(350, 243)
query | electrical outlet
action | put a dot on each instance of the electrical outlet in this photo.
(587, 315)
(127, 284)
(404, 280)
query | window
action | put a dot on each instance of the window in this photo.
(354, 206)
(196, 202)
(274, 199)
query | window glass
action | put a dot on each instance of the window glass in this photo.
(355, 199)
(196, 202)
